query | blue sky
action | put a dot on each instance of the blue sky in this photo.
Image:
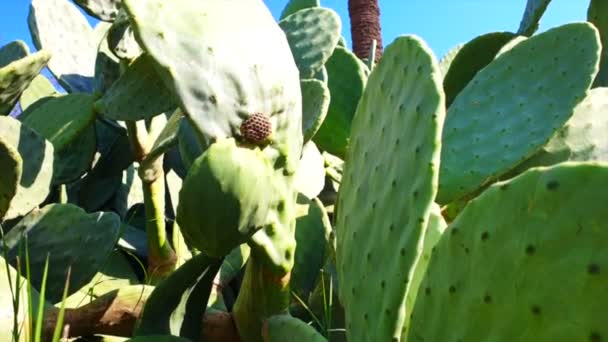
(441, 23)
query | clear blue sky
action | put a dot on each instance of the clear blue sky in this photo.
(441, 23)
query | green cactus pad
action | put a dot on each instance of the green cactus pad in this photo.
(13, 51)
(310, 177)
(76, 158)
(37, 173)
(524, 261)
(283, 328)
(312, 238)
(61, 119)
(583, 137)
(597, 14)
(11, 167)
(107, 66)
(138, 94)
(502, 117)
(39, 88)
(436, 227)
(228, 194)
(448, 58)
(16, 77)
(508, 46)
(471, 58)
(59, 27)
(71, 238)
(313, 34)
(190, 147)
(347, 78)
(315, 103)
(532, 14)
(225, 83)
(106, 10)
(293, 6)
(388, 228)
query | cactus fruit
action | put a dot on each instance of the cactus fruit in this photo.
(40, 88)
(315, 103)
(16, 77)
(228, 194)
(597, 14)
(70, 238)
(224, 83)
(106, 10)
(283, 328)
(11, 167)
(399, 187)
(532, 14)
(257, 128)
(37, 168)
(347, 78)
(471, 58)
(524, 261)
(478, 138)
(138, 94)
(13, 51)
(59, 27)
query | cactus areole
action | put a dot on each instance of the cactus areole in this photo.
(256, 128)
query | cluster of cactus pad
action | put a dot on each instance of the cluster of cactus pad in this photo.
(202, 171)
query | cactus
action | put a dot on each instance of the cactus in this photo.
(11, 168)
(315, 102)
(16, 77)
(310, 177)
(471, 58)
(59, 27)
(347, 78)
(40, 88)
(293, 6)
(492, 263)
(399, 187)
(286, 328)
(55, 231)
(37, 166)
(446, 61)
(13, 51)
(138, 94)
(313, 34)
(478, 144)
(532, 14)
(596, 14)
(121, 40)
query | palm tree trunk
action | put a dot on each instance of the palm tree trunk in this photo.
(365, 27)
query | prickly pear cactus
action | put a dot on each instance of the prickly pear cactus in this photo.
(524, 261)
(37, 167)
(13, 51)
(388, 228)
(282, 328)
(228, 194)
(11, 167)
(16, 77)
(494, 125)
(101, 9)
(232, 73)
(39, 89)
(532, 14)
(597, 14)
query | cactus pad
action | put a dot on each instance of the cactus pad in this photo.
(388, 228)
(293, 6)
(532, 14)
(138, 94)
(228, 194)
(524, 261)
(283, 328)
(236, 67)
(13, 51)
(106, 10)
(11, 167)
(37, 168)
(40, 88)
(315, 103)
(256, 128)
(16, 76)
(597, 14)
(310, 177)
(347, 78)
(59, 27)
(313, 34)
(494, 125)
(71, 238)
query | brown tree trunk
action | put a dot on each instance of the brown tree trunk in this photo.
(365, 27)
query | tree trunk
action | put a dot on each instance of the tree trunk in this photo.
(365, 27)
